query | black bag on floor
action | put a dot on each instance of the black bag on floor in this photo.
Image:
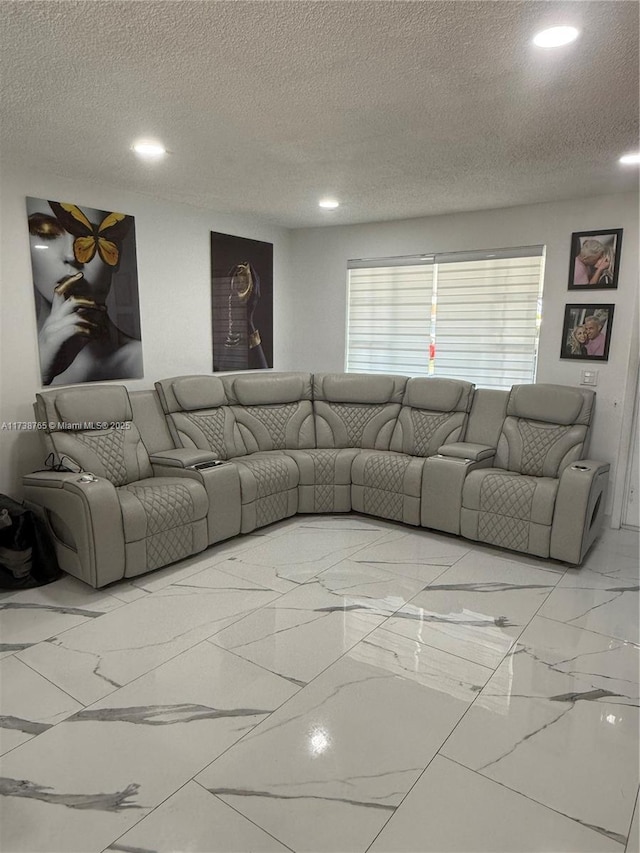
(27, 556)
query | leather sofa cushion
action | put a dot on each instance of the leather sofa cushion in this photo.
(357, 388)
(97, 405)
(158, 504)
(555, 404)
(438, 395)
(512, 495)
(199, 392)
(268, 389)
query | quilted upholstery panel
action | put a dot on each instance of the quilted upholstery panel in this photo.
(324, 498)
(168, 546)
(537, 443)
(384, 504)
(109, 448)
(271, 508)
(508, 496)
(276, 427)
(425, 426)
(420, 432)
(165, 506)
(355, 419)
(324, 467)
(503, 531)
(118, 455)
(274, 419)
(210, 425)
(539, 449)
(265, 474)
(385, 471)
(355, 424)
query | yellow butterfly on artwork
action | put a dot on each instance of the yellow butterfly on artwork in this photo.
(89, 238)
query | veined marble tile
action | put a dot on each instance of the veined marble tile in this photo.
(138, 587)
(31, 615)
(302, 632)
(597, 601)
(359, 582)
(616, 554)
(430, 667)
(266, 576)
(142, 585)
(558, 722)
(419, 554)
(328, 769)
(127, 753)
(29, 704)
(95, 659)
(194, 821)
(551, 566)
(300, 554)
(67, 591)
(453, 810)
(476, 609)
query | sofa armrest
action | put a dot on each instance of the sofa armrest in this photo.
(579, 510)
(181, 457)
(467, 450)
(85, 522)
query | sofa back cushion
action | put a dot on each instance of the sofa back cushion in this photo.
(94, 428)
(545, 430)
(486, 418)
(273, 411)
(356, 410)
(198, 414)
(434, 412)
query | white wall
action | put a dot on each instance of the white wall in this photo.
(309, 295)
(320, 255)
(175, 296)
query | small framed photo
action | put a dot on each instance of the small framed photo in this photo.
(595, 259)
(586, 333)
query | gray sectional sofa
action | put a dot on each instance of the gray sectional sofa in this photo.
(203, 458)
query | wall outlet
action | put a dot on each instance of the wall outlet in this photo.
(589, 377)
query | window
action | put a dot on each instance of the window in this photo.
(468, 315)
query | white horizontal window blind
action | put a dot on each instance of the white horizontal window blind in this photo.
(388, 327)
(468, 315)
(487, 319)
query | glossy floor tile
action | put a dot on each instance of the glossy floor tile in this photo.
(329, 683)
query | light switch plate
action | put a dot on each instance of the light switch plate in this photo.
(589, 377)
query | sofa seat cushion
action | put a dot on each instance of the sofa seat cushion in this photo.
(387, 485)
(325, 478)
(164, 520)
(268, 488)
(508, 509)
(160, 504)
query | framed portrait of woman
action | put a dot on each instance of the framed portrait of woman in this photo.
(595, 259)
(586, 333)
(85, 284)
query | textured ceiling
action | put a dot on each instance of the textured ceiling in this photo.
(399, 109)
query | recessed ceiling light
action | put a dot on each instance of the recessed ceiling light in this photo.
(556, 36)
(328, 203)
(630, 159)
(148, 149)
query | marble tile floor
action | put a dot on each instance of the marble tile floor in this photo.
(330, 683)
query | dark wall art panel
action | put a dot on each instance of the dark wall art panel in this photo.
(85, 284)
(242, 302)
